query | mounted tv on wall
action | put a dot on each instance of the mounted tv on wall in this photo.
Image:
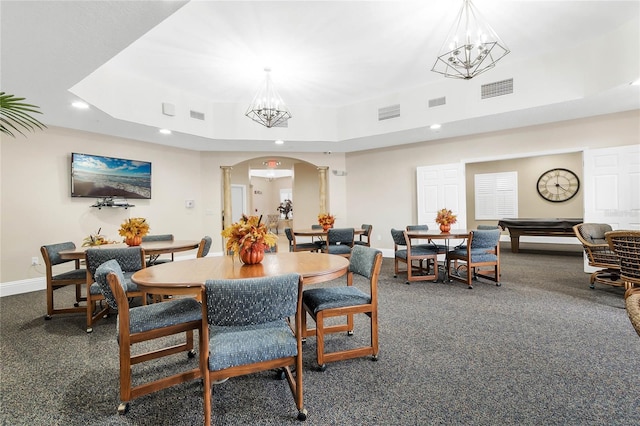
(106, 177)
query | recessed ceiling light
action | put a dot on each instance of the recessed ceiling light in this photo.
(279, 142)
(165, 131)
(80, 105)
(435, 126)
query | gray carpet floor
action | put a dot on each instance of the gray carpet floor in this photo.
(542, 349)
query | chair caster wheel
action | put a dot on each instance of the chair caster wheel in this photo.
(407, 283)
(395, 276)
(592, 287)
(191, 353)
(350, 333)
(47, 317)
(123, 408)
(470, 287)
(374, 357)
(280, 374)
(498, 284)
(302, 415)
(89, 330)
(322, 367)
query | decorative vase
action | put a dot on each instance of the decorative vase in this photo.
(251, 256)
(326, 227)
(133, 241)
(445, 228)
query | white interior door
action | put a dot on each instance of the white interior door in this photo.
(441, 186)
(238, 202)
(612, 187)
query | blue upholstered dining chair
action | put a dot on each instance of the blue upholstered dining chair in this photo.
(482, 251)
(57, 279)
(130, 259)
(296, 246)
(204, 246)
(155, 259)
(147, 322)
(442, 249)
(426, 256)
(339, 241)
(246, 329)
(364, 239)
(326, 302)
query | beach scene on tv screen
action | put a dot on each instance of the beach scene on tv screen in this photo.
(96, 176)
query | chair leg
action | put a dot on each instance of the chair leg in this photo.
(320, 341)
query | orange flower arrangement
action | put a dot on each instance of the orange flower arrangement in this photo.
(134, 227)
(248, 234)
(326, 220)
(446, 217)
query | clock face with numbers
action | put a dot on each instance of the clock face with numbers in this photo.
(558, 185)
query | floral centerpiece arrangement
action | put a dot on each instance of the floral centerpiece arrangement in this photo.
(133, 230)
(326, 220)
(285, 208)
(96, 240)
(249, 238)
(445, 218)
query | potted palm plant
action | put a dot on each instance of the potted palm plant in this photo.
(16, 115)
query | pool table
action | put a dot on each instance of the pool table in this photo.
(550, 227)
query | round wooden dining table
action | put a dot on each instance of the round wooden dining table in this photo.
(150, 248)
(187, 276)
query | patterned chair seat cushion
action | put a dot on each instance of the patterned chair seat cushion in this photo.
(318, 299)
(338, 249)
(164, 314)
(238, 345)
(477, 255)
(74, 274)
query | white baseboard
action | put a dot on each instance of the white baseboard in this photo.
(22, 286)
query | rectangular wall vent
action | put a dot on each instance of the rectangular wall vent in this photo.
(437, 102)
(391, 111)
(197, 115)
(499, 88)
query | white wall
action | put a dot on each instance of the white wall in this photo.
(379, 188)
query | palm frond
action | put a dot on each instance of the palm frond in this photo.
(15, 115)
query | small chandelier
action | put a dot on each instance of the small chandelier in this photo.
(267, 107)
(471, 48)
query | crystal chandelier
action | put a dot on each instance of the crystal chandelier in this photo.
(267, 107)
(471, 48)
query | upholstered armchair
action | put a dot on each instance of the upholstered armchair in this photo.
(323, 303)
(339, 241)
(273, 222)
(364, 239)
(599, 253)
(155, 259)
(204, 246)
(130, 259)
(144, 323)
(60, 278)
(246, 329)
(425, 255)
(482, 252)
(296, 246)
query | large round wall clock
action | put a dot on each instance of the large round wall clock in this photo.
(558, 185)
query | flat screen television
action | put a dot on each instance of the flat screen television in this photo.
(106, 177)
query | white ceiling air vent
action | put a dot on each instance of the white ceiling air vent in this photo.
(437, 102)
(197, 115)
(499, 88)
(392, 111)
